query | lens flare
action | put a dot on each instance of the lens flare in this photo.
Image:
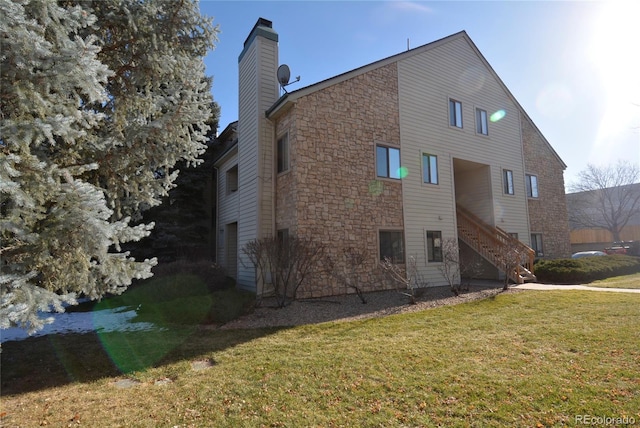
(376, 187)
(403, 172)
(500, 114)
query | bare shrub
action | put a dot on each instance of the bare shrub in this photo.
(347, 271)
(286, 263)
(450, 266)
(469, 270)
(509, 259)
(406, 277)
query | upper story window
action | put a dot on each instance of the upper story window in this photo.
(532, 185)
(232, 179)
(283, 153)
(387, 162)
(455, 113)
(429, 169)
(482, 126)
(507, 178)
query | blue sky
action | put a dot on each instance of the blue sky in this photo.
(573, 66)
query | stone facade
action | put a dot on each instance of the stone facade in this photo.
(332, 184)
(547, 212)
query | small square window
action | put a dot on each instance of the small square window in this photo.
(283, 153)
(434, 246)
(482, 126)
(387, 162)
(507, 176)
(429, 169)
(392, 245)
(532, 186)
(455, 113)
(232, 179)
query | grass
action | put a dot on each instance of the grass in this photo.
(625, 281)
(531, 358)
(178, 299)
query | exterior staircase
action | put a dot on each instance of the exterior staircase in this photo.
(496, 246)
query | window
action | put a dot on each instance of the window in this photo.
(283, 244)
(532, 186)
(508, 181)
(536, 244)
(283, 235)
(434, 246)
(392, 245)
(232, 179)
(388, 162)
(283, 153)
(429, 169)
(481, 122)
(455, 113)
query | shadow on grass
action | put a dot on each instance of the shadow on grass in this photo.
(58, 359)
(55, 360)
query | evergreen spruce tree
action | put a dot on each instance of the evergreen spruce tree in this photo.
(99, 101)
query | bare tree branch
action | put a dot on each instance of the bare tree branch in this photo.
(605, 197)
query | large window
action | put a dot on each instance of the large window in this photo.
(507, 177)
(429, 168)
(482, 126)
(532, 186)
(536, 244)
(232, 179)
(387, 162)
(434, 246)
(455, 113)
(283, 153)
(392, 245)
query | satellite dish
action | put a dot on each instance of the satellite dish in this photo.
(284, 74)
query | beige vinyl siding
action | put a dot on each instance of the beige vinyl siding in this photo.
(258, 92)
(228, 207)
(268, 89)
(473, 191)
(247, 161)
(427, 80)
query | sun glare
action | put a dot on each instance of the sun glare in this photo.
(614, 52)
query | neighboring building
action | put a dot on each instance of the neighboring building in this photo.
(391, 158)
(585, 216)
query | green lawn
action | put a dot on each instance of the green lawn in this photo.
(531, 359)
(626, 281)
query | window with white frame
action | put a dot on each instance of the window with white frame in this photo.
(482, 124)
(455, 113)
(532, 186)
(392, 245)
(283, 153)
(388, 162)
(429, 168)
(434, 246)
(232, 179)
(507, 178)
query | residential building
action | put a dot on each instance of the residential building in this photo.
(587, 216)
(391, 158)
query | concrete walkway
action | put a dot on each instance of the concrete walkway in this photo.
(537, 286)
